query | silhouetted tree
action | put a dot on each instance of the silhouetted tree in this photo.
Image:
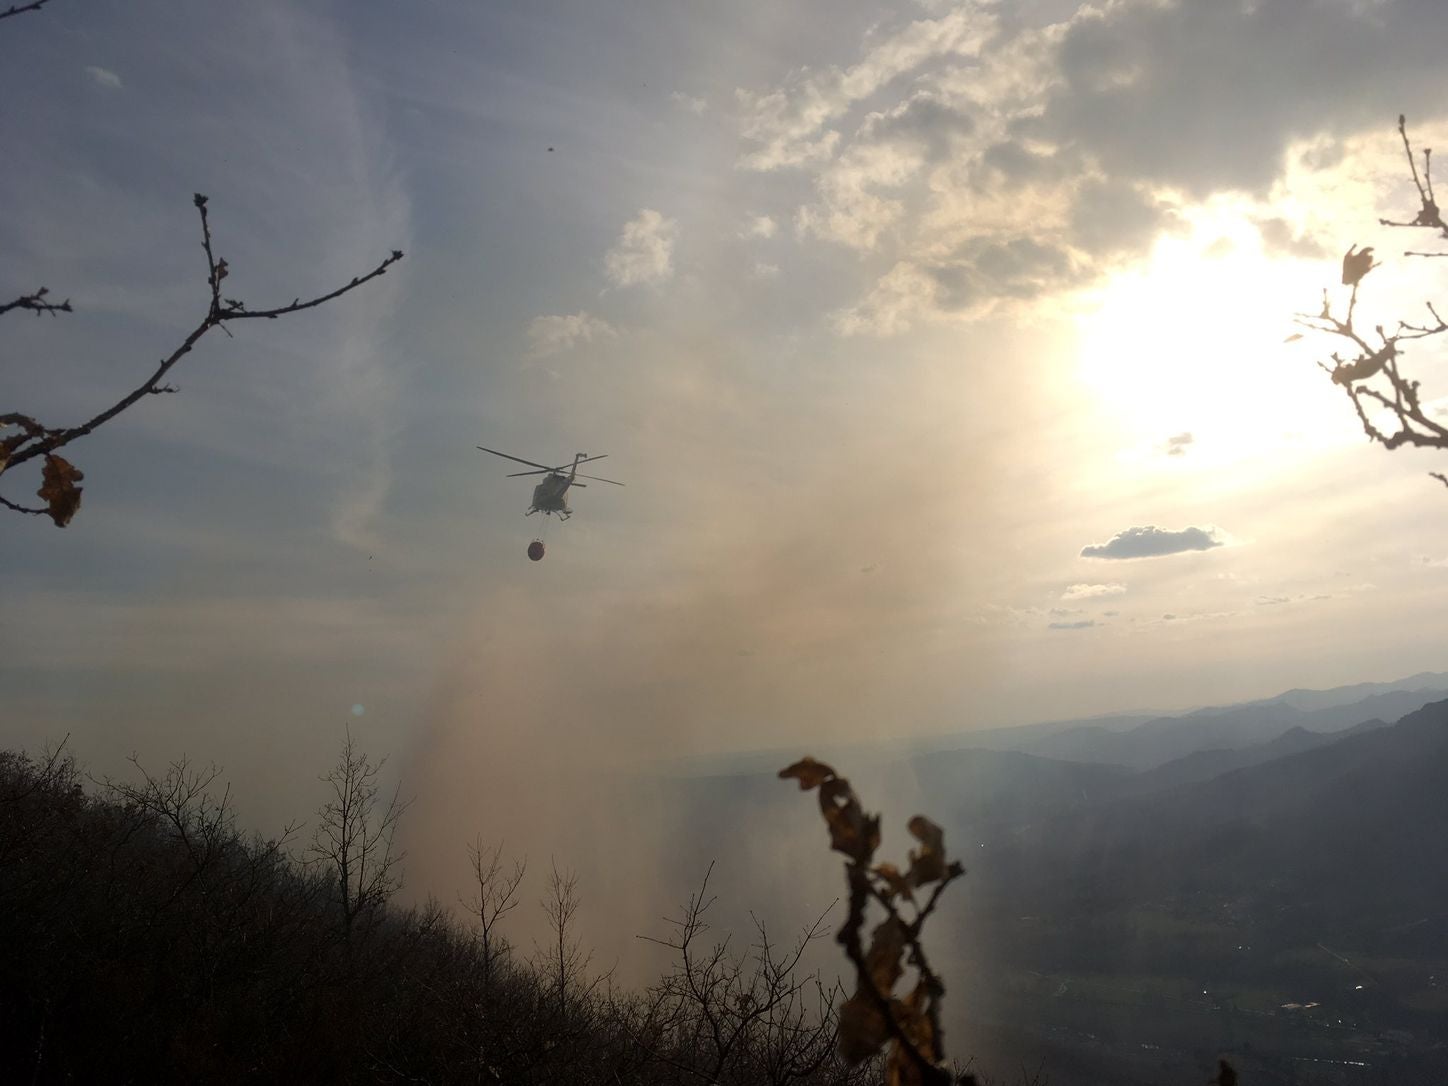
(563, 960)
(497, 895)
(724, 1016)
(353, 843)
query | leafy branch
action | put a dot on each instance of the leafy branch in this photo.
(874, 1015)
(33, 439)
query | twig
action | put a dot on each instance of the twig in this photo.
(22, 508)
(21, 9)
(37, 304)
(40, 441)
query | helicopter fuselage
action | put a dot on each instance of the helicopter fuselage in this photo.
(549, 496)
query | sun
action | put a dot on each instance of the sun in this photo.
(1192, 342)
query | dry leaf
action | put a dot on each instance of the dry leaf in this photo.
(883, 960)
(1355, 265)
(851, 831)
(928, 864)
(902, 1069)
(895, 882)
(58, 489)
(809, 773)
(863, 1028)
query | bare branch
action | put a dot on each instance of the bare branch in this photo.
(35, 302)
(22, 508)
(21, 9)
(1372, 377)
(38, 441)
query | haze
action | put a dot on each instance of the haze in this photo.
(940, 347)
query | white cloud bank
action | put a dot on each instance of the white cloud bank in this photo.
(555, 334)
(644, 252)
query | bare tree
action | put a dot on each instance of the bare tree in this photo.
(497, 895)
(353, 841)
(564, 960)
(32, 439)
(1369, 373)
(748, 1017)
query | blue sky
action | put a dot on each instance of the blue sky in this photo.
(885, 313)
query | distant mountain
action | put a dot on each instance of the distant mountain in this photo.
(977, 789)
(1203, 765)
(1344, 695)
(1166, 739)
(1354, 832)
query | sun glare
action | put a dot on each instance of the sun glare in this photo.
(1185, 355)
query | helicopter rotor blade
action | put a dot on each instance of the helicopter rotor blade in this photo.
(540, 471)
(597, 479)
(519, 459)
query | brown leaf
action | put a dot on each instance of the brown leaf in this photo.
(809, 773)
(863, 1028)
(58, 489)
(910, 1014)
(852, 831)
(895, 882)
(883, 961)
(1293, 338)
(1356, 264)
(928, 864)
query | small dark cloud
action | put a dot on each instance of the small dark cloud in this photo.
(1112, 217)
(1152, 542)
(1065, 611)
(1272, 601)
(1280, 240)
(1168, 618)
(1084, 624)
(1016, 164)
(922, 119)
(1176, 445)
(985, 269)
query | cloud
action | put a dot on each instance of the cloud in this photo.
(759, 226)
(697, 106)
(104, 77)
(763, 270)
(1092, 591)
(1251, 78)
(787, 123)
(1176, 445)
(987, 162)
(1083, 624)
(555, 334)
(644, 252)
(1153, 542)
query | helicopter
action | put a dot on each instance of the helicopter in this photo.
(550, 495)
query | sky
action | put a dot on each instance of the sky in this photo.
(940, 346)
